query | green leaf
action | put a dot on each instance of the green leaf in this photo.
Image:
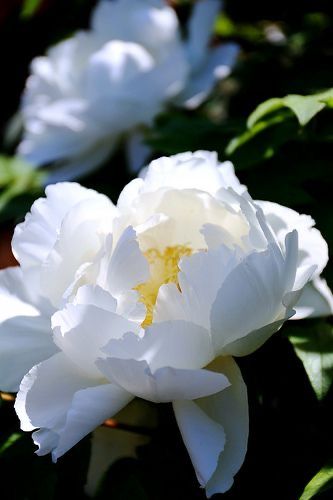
(304, 107)
(314, 346)
(124, 479)
(262, 141)
(264, 109)
(30, 7)
(17, 178)
(10, 442)
(320, 483)
(250, 134)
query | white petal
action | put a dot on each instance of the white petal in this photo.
(178, 344)
(200, 29)
(79, 240)
(152, 24)
(89, 408)
(25, 330)
(227, 171)
(203, 437)
(68, 168)
(61, 129)
(200, 279)
(312, 246)
(316, 300)
(36, 236)
(24, 341)
(251, 342)
(137, 151)
(55, 397)
(47, 391)
(252, 295)
(197, 170)
(81, 331)
(18, 297)
(304, 275)
(217, 66)
(188, 210)
(125, 267)
(128, 194)
(95, 296)
(165, 384)
(230, 409)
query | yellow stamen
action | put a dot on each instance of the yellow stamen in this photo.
(163, 269)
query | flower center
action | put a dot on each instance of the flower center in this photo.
(164, 269)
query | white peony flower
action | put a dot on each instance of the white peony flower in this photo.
(99, 85)
(151, 298)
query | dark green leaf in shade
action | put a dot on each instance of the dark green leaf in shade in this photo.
(13, 438)
(123, 480)
(262, 141)
(30, 7)
(313, 344)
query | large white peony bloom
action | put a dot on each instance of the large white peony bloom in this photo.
(102, 84)
(151, 298)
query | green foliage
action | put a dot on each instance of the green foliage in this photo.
(273, 124)
(30, 7)
(304, 107)
(123, 480)
(321, 483)
(313, 343)
(176, 131)
(17, 178)
(10, 442)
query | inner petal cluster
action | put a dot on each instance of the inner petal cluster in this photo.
(163, 266)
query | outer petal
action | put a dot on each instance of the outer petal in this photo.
(251, 342)
(89, 408)
(204, 438)
(65, 404)
(230, 409)
(165, 384)
(252, 295)
(25, 330)
(215, 430)
(79, 240)
(137, 151)
(316, 300)
(47, 391)
(81, 331)
(36, 236)
(217, 66)
(200, 30)
(78, 166)
(125, 19)
(312, 246)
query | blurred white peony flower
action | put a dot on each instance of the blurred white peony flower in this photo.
(102, 84)
(150, 298)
